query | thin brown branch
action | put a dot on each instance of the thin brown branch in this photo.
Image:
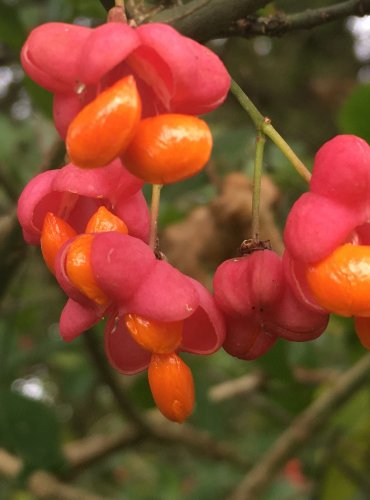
(82, 453)
(42, 484)
(279, 24)
(89, 450)
(142, 427)
(301, 430)
(245, 385)
(199, 441)
(127, 409)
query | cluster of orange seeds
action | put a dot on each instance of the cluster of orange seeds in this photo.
(170, 379)
(161, 149)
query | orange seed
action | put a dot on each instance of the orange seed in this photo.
(168, 148)
(78, 268)
(155, 336)
(104, 127)
(341, 282)
(55, 232)
(172, 386)
(103, 221)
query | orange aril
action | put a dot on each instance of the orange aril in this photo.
(103, 221)
(104, 127)
(362, 327)
(155, 336)
(168, 148)
(341, 282)
(55, 232)
(172, 386)
(78, 268)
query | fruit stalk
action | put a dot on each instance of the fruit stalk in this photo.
(264, 125)
(257, 174)
(154, 210)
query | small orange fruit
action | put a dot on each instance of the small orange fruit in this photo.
(341, 282)
(55, 232)
(155, 336)
(78, 268)
(103, 221)
(172, 386)
(168, 148)
(104, 127)
(362, 327)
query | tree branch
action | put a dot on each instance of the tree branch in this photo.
(199, 441)
(143, 427)
(107, 377)
(282, 23)
(84, 452)
(207, 19)
(42, 484)
(245, 385)
(301, 430)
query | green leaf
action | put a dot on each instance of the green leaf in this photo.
(337, 485)
(29, 429)
(11, 28)
(88, 8)
(353, 117)
(41, 98)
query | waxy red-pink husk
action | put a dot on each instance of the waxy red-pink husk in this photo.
(173, 73)
(260, 305)
(337, 206)
(75, 194)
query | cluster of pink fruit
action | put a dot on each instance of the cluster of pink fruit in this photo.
(325, 267)
(125, 100)
(124, 97)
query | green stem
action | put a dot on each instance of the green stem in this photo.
(263, 125)
(284, 147)
(154, 210)
(257, 174)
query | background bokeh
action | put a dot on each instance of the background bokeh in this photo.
(313, 84)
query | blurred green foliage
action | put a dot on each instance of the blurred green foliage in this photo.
(51, 393)
(354, 114)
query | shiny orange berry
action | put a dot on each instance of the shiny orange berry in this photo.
(155, 336)
(102, 129)
(103, 221)
(172, 386)
(79, 272)
(362, 327)
(168, 148)
(341, 282)
(55, 232)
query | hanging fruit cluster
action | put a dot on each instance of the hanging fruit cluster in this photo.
(126, 102)
(125, 105)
